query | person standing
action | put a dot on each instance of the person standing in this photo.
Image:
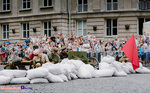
(89, 36)
(27, 41)
(142, 55)
(146, 51)
(86, 47)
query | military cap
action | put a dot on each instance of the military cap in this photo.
(36, 52)
(55, 49)
(63, 48)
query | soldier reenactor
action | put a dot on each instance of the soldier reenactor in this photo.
(63, 54)
(39, 58)
(53, 56)
(124, 59)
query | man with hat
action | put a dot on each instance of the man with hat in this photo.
(63, 54)
(39, 58)
(53, 56)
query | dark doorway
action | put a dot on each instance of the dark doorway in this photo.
(141, 21)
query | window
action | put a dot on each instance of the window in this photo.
(25, 30)
(144, 4)
(26, 4)
(141, 21)
(47, 28)
(5, 31)
(5, 5)
(82, 5)
(111, 27)
(81, 28)
(47, 3)
(112, 5)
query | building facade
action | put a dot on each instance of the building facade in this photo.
(103, 18)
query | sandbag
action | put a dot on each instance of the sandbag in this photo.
(46, 65)
(143, 70)
(7, 74)
(107, 59)
(37, 73)
(76, 63)
(73, 76)
(91, 70)
(129, 66)
(83, 73)
(104, 65)
(38, 80)
(125, 69)
(4, 80)
(69, 67)
(140, 65)
(120, 73)
(54, 79)
(104, 73)
(65, 60)
(117, 65)
(111, 58)
(55, 70)
(63, 77)
(17, 73)
(22, 80)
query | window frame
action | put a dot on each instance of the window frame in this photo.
(146, 7)
(112, 4)
(111, 28)
(82, 7)
(6, 5)
(7, 30)
(47, 3)
(25, 30)
(50, 28)
(26, 4)
(82, 26)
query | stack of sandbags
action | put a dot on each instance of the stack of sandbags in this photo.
(55, 73)
(126, 68)
(104, 70)
(78, 69)
(16, 76)
(37, 75)
(69, 70)
(130, 68)
(83, 72)
(117, 66)
(142, 70)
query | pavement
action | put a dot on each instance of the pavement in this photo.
(133, 83)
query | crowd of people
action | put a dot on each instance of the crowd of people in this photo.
(89, 43)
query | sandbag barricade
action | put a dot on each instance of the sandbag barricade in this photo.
(70, 70)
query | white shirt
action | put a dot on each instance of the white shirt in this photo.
(89, 37)
(144, 37)
(145, 45)
(148, 48)
(86, 49)
(33, 40)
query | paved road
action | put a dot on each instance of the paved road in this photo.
(134, 83)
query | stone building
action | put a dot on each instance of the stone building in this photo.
(103, 18)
